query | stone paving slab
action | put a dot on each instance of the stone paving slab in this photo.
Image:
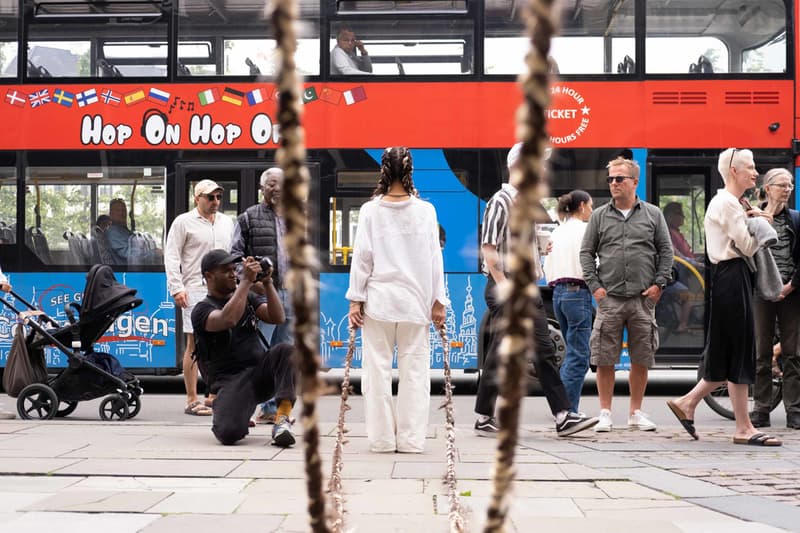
(145, 467)
(183, 484)
(192, 503)
(97, 501)
(208, 523)
(77, 522)
(756, 509)
(671, 483)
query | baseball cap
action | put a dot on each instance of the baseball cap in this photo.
(206, 186)
(217, 258)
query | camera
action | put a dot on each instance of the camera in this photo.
(266, 266)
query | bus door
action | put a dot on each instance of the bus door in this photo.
(241, 184)
(682, 189)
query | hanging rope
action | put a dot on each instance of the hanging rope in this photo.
(516, 347)
(300, 279)
(335, 483)
(457, 521)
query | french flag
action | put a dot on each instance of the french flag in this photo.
(157, 96)
(256, 96)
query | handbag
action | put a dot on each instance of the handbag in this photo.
(22, 369)
(768, 278)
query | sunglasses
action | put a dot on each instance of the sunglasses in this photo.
(732, 154)
(618, 179)
(212, 197)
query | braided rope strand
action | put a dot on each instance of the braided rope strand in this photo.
(300, 279)
(516, 347)
(456, 516)
(336, 519)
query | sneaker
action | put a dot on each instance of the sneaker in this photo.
(487, 428)
(282, 432)
(267, 412)
(575, 422)
(639, 420)
(604, 424)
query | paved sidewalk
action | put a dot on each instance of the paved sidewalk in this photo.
(84, 475)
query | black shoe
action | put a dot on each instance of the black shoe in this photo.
(487, 428)
(575, 422)
(793, 420)
(759, 419)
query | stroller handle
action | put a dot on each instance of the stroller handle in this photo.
(28, 305)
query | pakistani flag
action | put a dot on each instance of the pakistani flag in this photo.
(309, 95)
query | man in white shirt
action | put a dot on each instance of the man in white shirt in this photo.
(344, 60)
(191, 236)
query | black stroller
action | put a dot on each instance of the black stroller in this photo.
(89, 374)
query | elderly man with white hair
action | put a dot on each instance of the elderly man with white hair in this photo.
(259, 232)
(494, 248)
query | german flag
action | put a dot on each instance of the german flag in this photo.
(232, 96)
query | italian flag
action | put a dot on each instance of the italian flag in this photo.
(209, 96)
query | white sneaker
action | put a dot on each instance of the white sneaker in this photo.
(639, 420)
(604, 425)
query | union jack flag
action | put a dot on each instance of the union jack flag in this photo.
(110, 97)
(39, 98)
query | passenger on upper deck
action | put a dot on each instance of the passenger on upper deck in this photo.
(118, 233)
(344, 60)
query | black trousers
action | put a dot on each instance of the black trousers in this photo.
(787, 314)
(238, 394)
(545, 361)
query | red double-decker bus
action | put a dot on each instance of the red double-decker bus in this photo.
(140, 99)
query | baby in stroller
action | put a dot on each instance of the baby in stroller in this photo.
(89, 374)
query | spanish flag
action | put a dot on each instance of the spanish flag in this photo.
(135, 97)
(232, 96)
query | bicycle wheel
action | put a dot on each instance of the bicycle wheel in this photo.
(720, 402)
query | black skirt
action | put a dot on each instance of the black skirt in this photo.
(731, 345)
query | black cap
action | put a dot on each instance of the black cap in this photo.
(217, 258)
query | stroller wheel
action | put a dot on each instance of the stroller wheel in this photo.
(67, 409)
(113, 407)
(134, 405)
(37, 400)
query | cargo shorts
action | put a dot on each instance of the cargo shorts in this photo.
(614, 314)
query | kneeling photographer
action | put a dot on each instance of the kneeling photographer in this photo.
(230, 352)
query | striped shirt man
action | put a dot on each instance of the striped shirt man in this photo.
(495, 225)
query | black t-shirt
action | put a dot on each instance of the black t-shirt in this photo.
(230, 351)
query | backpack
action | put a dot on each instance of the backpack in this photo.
(22, 367)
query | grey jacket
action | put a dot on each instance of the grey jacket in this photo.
(626, 255)
(768, 278)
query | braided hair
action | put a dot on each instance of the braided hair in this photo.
(396, 165)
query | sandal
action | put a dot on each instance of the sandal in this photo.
(759, 439)
(197, 408)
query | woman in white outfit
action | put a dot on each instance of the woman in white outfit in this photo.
(396, 289)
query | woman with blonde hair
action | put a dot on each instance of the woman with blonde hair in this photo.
(730, 354)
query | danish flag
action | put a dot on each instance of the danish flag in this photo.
(16, 98)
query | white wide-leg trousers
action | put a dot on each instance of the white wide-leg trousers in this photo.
(403, 429)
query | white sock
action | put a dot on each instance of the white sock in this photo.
(483, 418)
(561, 416)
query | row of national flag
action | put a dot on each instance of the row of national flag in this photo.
(257, 96)
(85, 98)
(206, 97)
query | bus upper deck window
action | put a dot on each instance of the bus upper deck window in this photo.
(704, 39)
